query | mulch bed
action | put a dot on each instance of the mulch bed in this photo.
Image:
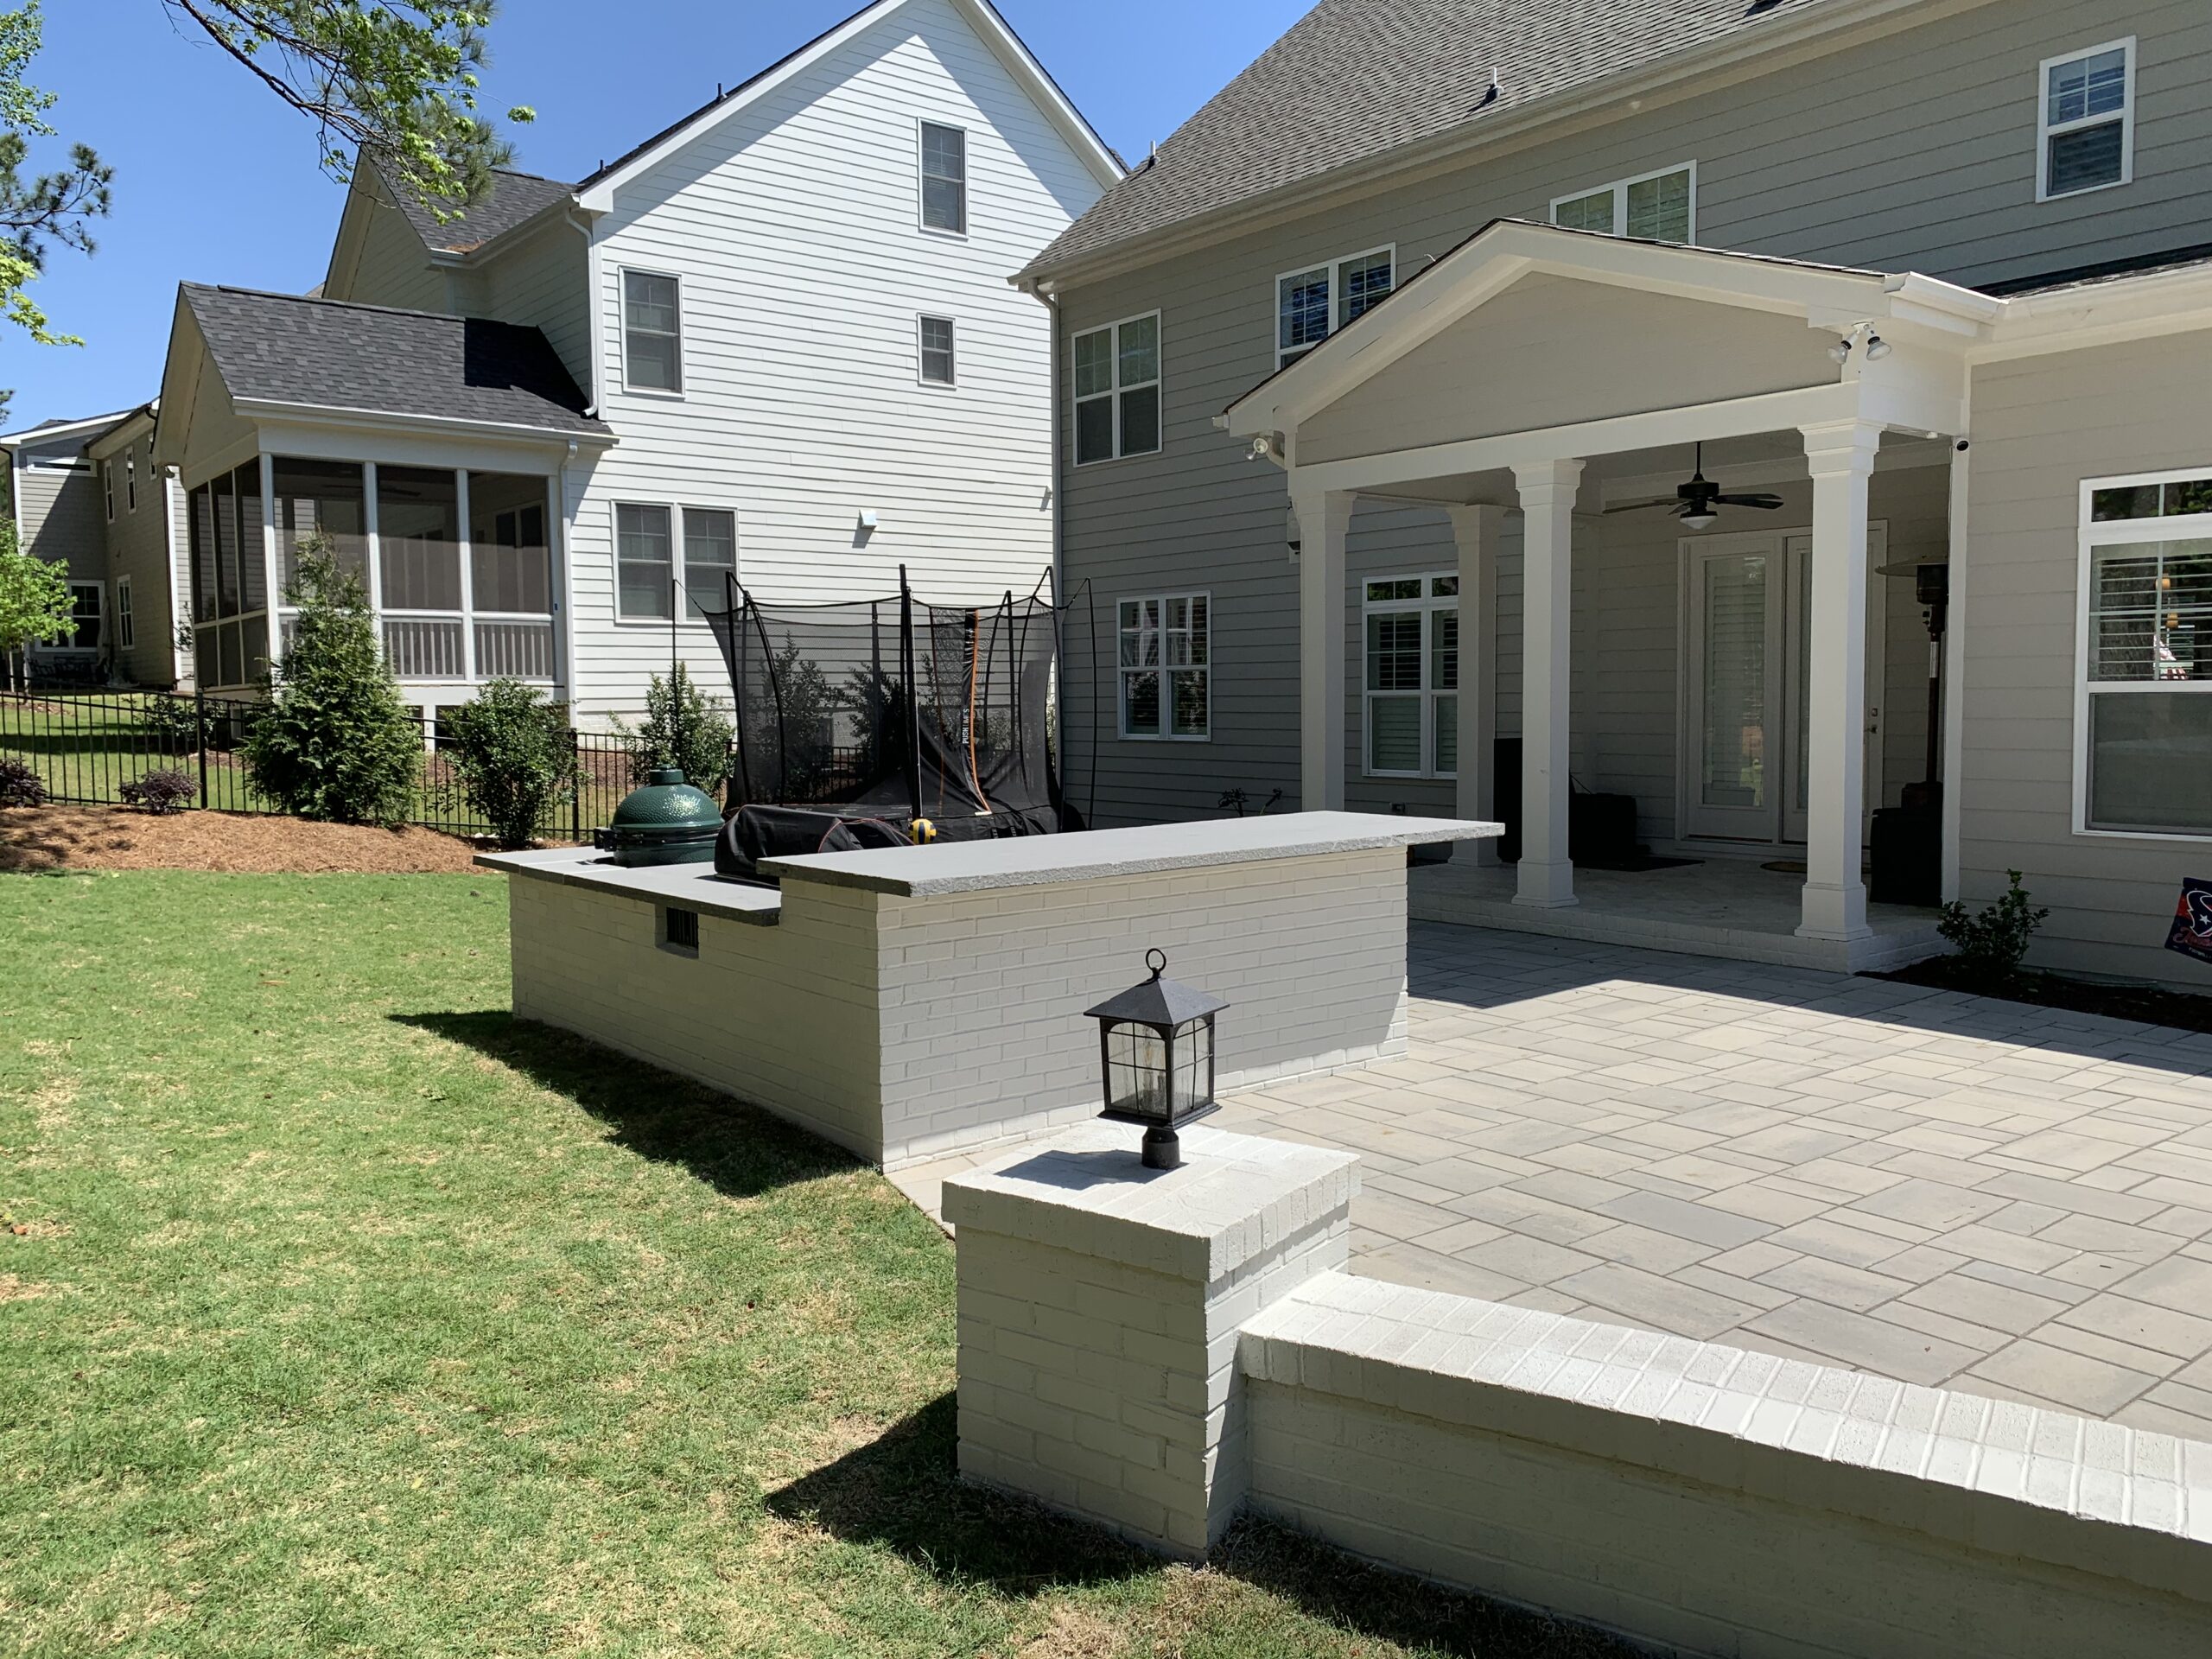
(40, 838)
(2144, 1005)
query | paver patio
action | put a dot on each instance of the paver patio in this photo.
(1945, 1189)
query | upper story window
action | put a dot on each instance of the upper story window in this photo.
(1313, 304)
(2086, 121)
(1658, 206)
(2145, 705)
(1411, 716)
(130, 479)
(945, 179)
(938, 364)
(652, 332)
(107, 487)
(1117, 389)
(126, 625)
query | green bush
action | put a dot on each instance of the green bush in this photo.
(511, 750)
(160, 792)
(332, 740)
(19, 784)
(174, 725)
(682, 727)
(1995, 943)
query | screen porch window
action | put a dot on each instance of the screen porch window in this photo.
(945, 179)
(510, 576)
(1116, 375)
(1658, 206)
(2146, 696)
(938, 357)
(229, 600)
(652, 332)
(1167, 656)
(1410, 703)
(1313, 304)
(2088, 121)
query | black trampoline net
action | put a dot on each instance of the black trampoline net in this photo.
(896, 709)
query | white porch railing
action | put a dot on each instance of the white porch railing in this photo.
(513, 649)
(424, 648)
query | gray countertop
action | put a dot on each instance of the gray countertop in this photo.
(691, 886)
(1040, 861)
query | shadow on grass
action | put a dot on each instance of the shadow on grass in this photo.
(902, 1492)
(737, 1149)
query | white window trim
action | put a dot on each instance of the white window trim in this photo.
(676, 508)
(966, 179)
(2122, 532)
(107, 486)
(126, 625)
(2045, 132)
(1426, 605)
(130, 478)
(1620, 188)
(622, 323)
(1335, 268)
(1076, 402)
(921, 352)
(99, 591)
(1165, 733)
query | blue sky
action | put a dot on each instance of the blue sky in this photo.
(216, 181)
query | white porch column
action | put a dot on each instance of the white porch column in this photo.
(1324, 518)
(1476, 530)
(1548, 492)
(1841, 456)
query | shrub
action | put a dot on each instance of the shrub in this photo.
(514, 756)
(683, 726)
(19, 785)
(160, 792)
(174, 725)
(1994, 943)
(333, 741)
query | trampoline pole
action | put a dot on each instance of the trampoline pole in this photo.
(910, 662)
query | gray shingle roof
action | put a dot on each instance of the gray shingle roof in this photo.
(515, 199)
(1354, 79)
(331, 354)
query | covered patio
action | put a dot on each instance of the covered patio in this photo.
(1739, 664)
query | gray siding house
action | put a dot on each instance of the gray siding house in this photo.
(1396, 387)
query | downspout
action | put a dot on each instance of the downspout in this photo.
(568, 582)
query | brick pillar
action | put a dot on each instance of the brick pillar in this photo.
(1099, 1307)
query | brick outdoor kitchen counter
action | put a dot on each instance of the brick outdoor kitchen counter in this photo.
(918, 1002)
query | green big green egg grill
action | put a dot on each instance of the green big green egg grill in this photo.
(666, 821)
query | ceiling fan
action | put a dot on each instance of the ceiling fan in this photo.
(1695, 499)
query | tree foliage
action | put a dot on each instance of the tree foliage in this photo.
(333, 740)
(48, 209)
(514, 756)
(395, 80)
(35, 605)
(682, 727)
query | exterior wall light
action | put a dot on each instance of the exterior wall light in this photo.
(1156, 1059)
(1878, 348)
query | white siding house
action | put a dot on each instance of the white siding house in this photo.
(779, 341)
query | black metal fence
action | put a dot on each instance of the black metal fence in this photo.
(86, 745)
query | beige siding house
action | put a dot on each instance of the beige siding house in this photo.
(1398, 384)
(775, 342)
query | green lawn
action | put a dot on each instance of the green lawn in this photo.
(341, 1315)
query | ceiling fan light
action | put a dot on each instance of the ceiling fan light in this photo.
(1700, 521)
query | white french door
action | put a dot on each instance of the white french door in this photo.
(1747, 703)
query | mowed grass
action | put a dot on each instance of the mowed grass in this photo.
(341, 1315)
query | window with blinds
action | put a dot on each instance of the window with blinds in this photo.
(1659, 206)
(1410, 696)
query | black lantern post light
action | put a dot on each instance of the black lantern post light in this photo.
(1155, 1045)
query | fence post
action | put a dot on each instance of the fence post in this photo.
(199, 739)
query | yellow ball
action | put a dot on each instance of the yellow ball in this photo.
(924, 831)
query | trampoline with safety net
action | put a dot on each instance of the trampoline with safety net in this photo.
(886, 722)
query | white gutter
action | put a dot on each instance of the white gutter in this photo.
(386, 420)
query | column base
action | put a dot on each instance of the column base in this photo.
(1546, 886)
(1835, 914)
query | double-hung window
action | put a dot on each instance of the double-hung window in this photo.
(945, 179)
(107, 487)
(126, 626)
(1658, 206)
(1117, 389)
(1313, 303)
(645, 557)
(2144, 708)
(130, 479)
(84, 615)
(938, 364)
(1167, 656)
(652, 332)
(2086, 121)
(1411, 716)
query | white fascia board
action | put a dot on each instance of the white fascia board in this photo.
(46, 433)
(379, 420)
(598, 197)
(2099, 313)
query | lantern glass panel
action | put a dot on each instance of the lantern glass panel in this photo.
(1136, 1071)
(1193, 1065)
